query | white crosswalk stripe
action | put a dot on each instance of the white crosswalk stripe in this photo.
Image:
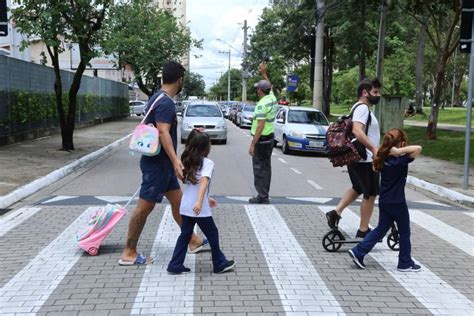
(15, 218)
(454, 236)
(429, 289)
(29, 289)
(160, 292)
(299, 285)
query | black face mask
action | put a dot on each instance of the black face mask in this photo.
(373, 99)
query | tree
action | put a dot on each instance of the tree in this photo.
(144, 37)
(55, 22)
(194, 84)
(219, 90)
(439, 19)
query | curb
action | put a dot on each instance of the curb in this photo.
(441, 191)
(58, 174)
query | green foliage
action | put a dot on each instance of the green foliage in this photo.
(144, 37)
(194, 84)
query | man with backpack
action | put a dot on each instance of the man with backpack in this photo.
(364, 179)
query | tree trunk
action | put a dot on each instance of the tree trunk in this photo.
(420, 56)
(436, 102)
(362, 63)
(142, 87)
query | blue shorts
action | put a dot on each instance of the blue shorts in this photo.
(157, 179)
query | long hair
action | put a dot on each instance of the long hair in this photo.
(197, 148)
(393, 138)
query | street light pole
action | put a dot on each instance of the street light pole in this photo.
(228, 77)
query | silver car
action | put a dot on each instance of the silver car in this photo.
(137, 107)
(205, 115)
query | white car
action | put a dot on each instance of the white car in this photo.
(301, 129)
(137, 107)
(206, 115)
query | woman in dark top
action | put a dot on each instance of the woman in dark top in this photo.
(392, 161)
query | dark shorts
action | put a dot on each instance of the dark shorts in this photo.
(364, 179)
(157, 179)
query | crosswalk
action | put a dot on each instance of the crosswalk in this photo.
(287, 238)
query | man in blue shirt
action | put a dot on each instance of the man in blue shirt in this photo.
(160, 173)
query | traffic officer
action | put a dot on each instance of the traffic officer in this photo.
(262, 143)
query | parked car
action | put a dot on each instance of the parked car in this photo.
(224, 109)
(137, 107)
(301, 129)
(235, 108)
(245, 117)
(206, 115)
(179, 107)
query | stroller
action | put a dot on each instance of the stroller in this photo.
(100, 224)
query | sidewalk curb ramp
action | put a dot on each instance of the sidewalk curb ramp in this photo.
(38, 184)
(441, 191)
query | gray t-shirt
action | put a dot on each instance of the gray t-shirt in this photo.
(361, 114)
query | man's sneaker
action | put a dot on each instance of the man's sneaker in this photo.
(413, 268)
(358, 261)
(258, 200)
(227, 267)
(180, 270)
(361, 234)
(333, 219)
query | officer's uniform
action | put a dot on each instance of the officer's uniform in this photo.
(266, 109)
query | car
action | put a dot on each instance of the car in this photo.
(245, 117)
(206, 115)
(224, 109)
(137, 107)
(235, 108)
(179, 107)
(300, 128)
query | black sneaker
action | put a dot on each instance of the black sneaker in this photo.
(333, 219)
(227, 267)
(361, 234)
(257, 200)
(358, 261)
(413, 268)
(183, 269)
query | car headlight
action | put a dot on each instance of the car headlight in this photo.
(296, 134)
(221, 125)
(187, 126)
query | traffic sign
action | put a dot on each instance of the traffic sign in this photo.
(292, 82)
(3, 18)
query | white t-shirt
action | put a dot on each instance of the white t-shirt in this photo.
(361, 114)
(191, 191)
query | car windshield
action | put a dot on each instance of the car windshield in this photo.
(203, 110)
(307, 117)
(249, 108)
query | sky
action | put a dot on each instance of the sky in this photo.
(210, 20)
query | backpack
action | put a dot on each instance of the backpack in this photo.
(343, 148)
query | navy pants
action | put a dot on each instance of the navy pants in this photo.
(208, 227)
(388, 214)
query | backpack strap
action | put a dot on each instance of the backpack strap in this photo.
(152, 106)
(369, 118)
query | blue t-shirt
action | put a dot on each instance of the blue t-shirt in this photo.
(164, 111)
(394, 177)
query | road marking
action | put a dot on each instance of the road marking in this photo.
(282, 160)
(15, 218)
(60, 198)
(430, 290)
(160, 292)
(299, 285)
(440, 229)
(432, 203)
(239, 198)
(29, 289)
(469, 214)
(295, 170)
(113, 199)
(314, 185)
(311, 199)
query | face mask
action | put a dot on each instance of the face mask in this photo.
(373, 99)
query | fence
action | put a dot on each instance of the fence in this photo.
(28, 105)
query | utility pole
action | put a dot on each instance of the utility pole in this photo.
(318, 57)
(381, 44)
(244, 66)
(228, 77)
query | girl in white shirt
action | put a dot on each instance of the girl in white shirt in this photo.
(196, 205)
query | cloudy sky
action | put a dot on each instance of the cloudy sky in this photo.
(210, 20)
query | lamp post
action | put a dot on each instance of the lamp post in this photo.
(228, 77)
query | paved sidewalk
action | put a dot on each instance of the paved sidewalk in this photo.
(24, 162)
(448, 127)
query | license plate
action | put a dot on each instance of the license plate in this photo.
(316, 144)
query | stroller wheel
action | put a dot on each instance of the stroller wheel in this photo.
(93, 251)
(330, 241)
(393, 242)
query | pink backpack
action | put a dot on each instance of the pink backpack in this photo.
(145, 138)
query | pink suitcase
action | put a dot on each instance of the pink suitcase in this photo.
(103, 219)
